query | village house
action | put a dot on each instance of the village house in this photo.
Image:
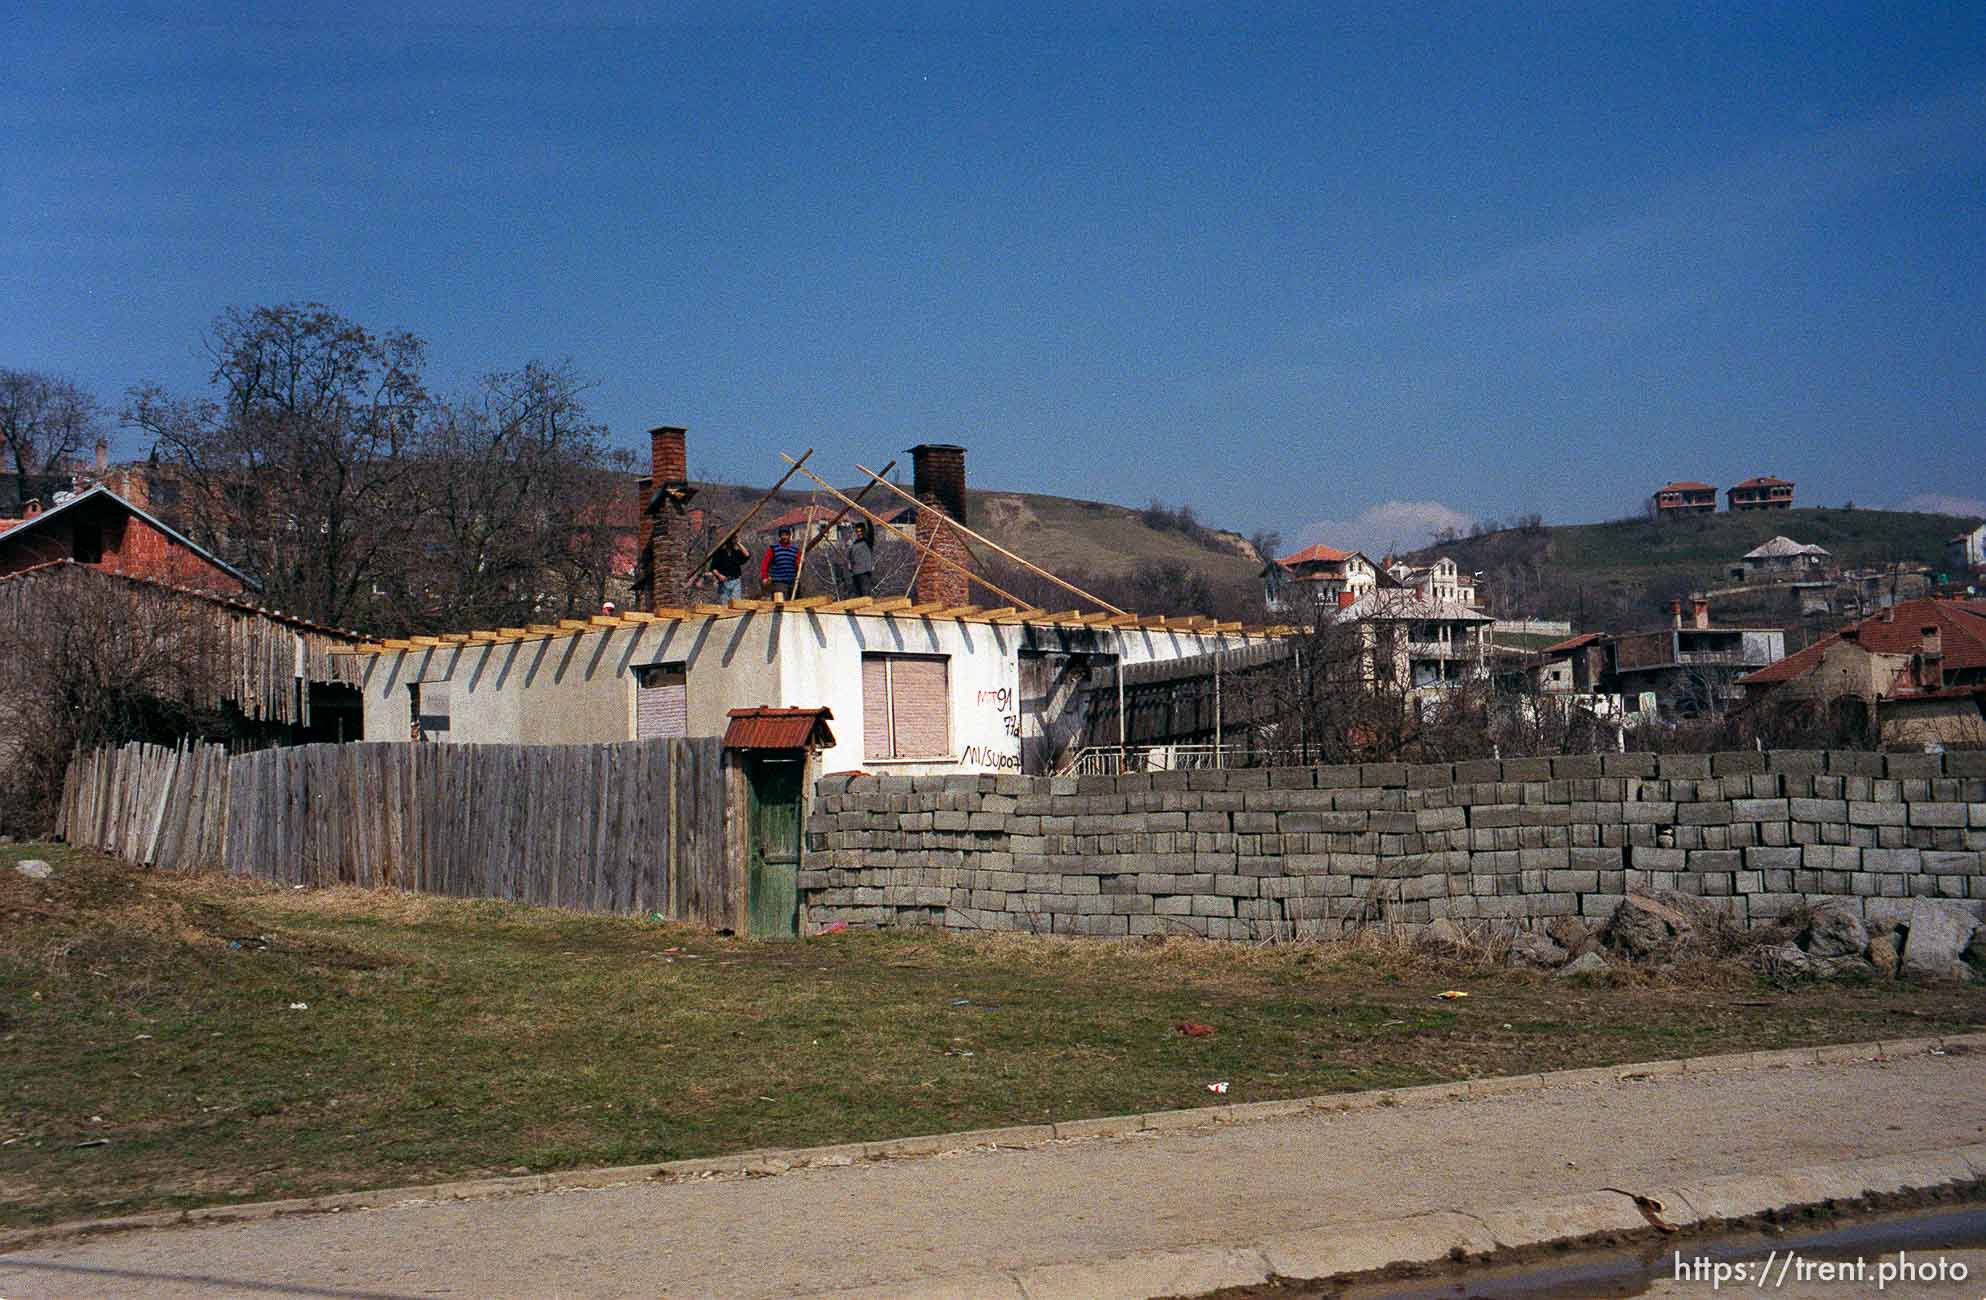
(1912, 675)
(1323, 576)
(1761, 493)
(101, 530)
(1407, 640)
(1684, 497)
(1689, 669)
(919, 684)
(1440, 581)
(1965, 553)
(1782, 557)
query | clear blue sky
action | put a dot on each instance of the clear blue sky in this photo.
(1326, 268)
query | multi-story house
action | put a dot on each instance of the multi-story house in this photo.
(1324, 576)
(1684, 497)
(1443, 580)
(1761, 493)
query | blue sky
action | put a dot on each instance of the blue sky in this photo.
(1345, 271)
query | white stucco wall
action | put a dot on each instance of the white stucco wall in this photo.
(579, 689)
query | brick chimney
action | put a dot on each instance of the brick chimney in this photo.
(665, 525)
(1932, 655)
(1699, 611)
(938, 471)
(103, 456)
(1675, 613)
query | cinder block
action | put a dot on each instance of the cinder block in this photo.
(1936, 814)
(1742, 761)
(1704, 814)
(1899, 767)
(1760, 810)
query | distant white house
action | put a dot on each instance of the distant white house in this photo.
(1967, 551)
(1322, 576)
(1411, 641)
(1443, 580)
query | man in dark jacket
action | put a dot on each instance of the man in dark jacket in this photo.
(780, 568)
(862, 560)
(729, 566)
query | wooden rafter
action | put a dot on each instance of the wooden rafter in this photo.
(902, 536)
(1030, 566)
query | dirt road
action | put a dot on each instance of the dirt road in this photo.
(945, 1224)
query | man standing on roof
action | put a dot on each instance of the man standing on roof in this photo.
(780, 568)
(862, 560)
(729, 566)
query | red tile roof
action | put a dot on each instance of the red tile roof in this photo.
(766, 728)
(1763, 480)
(1961, 627)
(1686, 486)
(1318, 554)
(1574, 643)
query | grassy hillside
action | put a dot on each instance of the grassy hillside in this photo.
(1600, 572)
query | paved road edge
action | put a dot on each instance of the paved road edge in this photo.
(1442, 1235)
(767, 1162)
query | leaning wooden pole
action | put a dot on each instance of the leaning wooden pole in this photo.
(820, 534)
(738, 527)
(911, 538)
(1025, 564)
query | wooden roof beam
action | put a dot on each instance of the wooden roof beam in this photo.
(848, 606)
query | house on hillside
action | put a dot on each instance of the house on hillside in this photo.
(1965, 553)
(1324, 577)
(1761, 493)
(1782, 557)
(1407, 640)
(1684, 497)
(1441, 580)
(1912, 675)
(101, 530)
(926, 684)
(1690, 669)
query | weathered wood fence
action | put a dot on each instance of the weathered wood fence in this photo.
(150, 803)
(632, 827)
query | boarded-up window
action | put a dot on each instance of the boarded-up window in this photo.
(661, 701)
(906, 706)
(430, 705)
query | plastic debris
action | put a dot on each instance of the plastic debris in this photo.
(143, 1037)
(93, 1142)
(836, 928)
(1220, 1087)
(299, 1006)
(1194, 1029)
(1450, 995)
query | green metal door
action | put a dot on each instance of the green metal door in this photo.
(772, 882)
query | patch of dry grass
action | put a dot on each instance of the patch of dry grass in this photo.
(448, 1038)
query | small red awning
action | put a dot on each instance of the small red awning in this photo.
(764, 728)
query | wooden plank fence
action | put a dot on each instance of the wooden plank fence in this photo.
(632, 827)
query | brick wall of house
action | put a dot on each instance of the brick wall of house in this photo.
(1280, 853)
(129, 546)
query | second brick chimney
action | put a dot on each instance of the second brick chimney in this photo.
(938, 472)
(1699, 611)
(665, 526)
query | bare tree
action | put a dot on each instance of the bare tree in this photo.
(44, 421)
(512, 486)
(295, 465)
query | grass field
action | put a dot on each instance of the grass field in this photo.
(154, 1054)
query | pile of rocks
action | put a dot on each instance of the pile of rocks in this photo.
(1922, 938)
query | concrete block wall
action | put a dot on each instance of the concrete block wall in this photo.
(1273, 853)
